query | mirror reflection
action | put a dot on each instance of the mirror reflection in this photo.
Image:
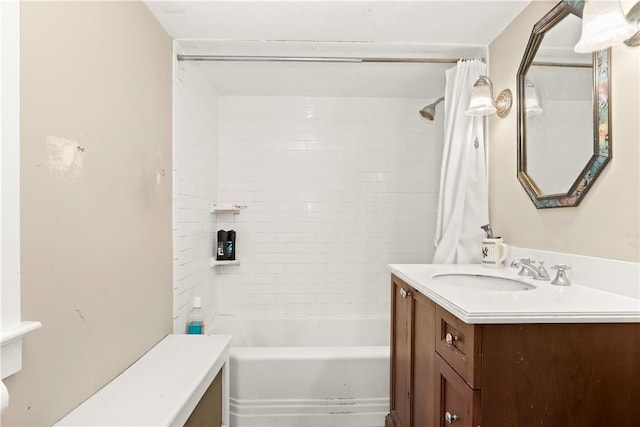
(559, 105)
(563, 111)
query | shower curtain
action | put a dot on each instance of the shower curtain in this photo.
(463, 204)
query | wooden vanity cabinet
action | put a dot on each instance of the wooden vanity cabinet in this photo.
(413, 357)
(447, 372)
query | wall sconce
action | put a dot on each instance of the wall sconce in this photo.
(531, 101)
(482, 102)
(605, 25)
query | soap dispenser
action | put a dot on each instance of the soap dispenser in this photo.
(195, 322)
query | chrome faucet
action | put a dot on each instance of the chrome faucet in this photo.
(528, 269)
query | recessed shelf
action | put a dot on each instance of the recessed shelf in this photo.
(216, 263)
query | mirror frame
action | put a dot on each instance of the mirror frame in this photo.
(601, 95)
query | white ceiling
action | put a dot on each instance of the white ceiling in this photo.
(435, 29)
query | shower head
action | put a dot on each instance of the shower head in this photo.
(429, 112)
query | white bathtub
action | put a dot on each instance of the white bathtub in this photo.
(307, 371)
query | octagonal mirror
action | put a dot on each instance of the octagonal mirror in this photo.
(563, 111)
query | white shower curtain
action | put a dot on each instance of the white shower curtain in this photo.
(463, 204)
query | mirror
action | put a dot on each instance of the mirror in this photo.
(563, 111)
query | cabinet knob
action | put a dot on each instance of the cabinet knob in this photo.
(450, 339)
(450, 418)
(404, 293)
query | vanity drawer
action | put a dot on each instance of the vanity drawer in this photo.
(459, 344)
(456, 402)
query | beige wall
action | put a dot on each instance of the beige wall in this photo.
(96, 233)
(606, 223)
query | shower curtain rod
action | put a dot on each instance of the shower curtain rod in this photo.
(562, 64)
(336, 59)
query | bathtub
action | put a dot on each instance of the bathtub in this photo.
(307, 371)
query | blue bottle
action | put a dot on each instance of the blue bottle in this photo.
(195, 322)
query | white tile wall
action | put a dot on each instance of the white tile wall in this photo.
(195, 158)
(336, 189)
(564, 144)
(563, 139)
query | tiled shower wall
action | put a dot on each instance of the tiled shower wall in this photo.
(560, 153)
(336, 189)
(195, 156)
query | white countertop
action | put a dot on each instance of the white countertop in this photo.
(161, 389)
(545, 304)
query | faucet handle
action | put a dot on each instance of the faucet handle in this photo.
(561, 277)
(544, 274)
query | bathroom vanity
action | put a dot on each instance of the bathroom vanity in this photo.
(517, 352)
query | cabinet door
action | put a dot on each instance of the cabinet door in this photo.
(401, 306)
(457, 403)
(424, 356)
(208, 411)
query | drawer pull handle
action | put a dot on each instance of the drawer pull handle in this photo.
(450, 339)
(404, 293)
(450, 418)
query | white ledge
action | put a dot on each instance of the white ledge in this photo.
(161, 388)
(219, 263)
(11, 357)
(232, 208)
(19, 332)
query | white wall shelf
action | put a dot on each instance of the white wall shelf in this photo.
(11, 343)
(216, 263)
(222, 209)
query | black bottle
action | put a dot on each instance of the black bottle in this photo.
(230, 247)
(221, 246)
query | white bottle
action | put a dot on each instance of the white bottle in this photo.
(195, 322)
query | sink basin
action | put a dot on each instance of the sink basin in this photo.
(484, 282)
